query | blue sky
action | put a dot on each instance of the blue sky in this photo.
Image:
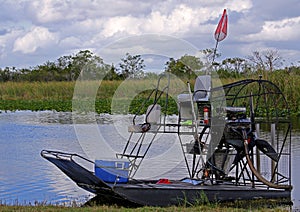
(35, 31)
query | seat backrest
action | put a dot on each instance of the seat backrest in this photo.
(202, 88)
(185, 106)
(153, 114)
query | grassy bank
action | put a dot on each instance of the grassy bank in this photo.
(239, 206)
(58, 95)
(145, 209)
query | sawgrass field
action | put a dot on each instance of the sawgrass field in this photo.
(58, 96)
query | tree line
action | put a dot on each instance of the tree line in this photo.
(69, 68)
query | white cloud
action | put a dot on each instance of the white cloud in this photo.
(282, 30)
(36, 37)
(179, 21)
(53, 27)
(170, 18)
(48, 10)
(239, 6)
(70, 42)
(126, 25)
(6, 40)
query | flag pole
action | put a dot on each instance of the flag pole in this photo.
(220, 33)
(215, 52)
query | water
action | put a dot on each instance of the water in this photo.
(295, 163)
(26, 178)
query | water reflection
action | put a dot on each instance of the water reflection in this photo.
(26, 177)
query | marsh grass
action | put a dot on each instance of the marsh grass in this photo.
(36, 90)
(58, 95)
(211, 207)
(201, 204)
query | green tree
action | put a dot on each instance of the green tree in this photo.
(45, 72)
(86, 61)
(5, 74)
(234, 67)
(193, 62)
(132, 66)
(112, 74)
(64, 67)
(68, 68)
(185, 67)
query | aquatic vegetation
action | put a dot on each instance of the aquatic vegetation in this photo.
(58, 95)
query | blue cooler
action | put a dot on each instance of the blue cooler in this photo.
(112, 171)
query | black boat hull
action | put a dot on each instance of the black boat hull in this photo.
(167, 195)
(140, 193)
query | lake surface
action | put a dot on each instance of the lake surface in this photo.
(27, 178)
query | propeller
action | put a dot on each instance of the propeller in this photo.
(250, 135)
(261, 144)
(267, 149)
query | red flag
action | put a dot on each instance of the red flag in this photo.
(221, 31)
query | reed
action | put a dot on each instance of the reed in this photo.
(58, 95)
(36, 90)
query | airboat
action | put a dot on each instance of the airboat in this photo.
(235, 142)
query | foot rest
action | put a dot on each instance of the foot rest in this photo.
(134, 128)
(139, 128)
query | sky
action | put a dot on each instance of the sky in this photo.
(33, 32)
